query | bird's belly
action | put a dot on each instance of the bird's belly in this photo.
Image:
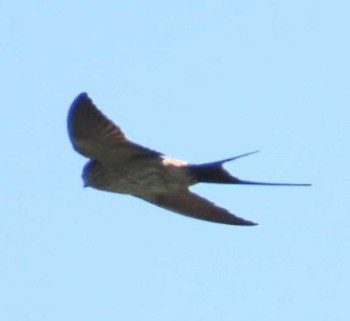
(145, 180)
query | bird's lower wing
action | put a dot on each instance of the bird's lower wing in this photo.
(193, 205)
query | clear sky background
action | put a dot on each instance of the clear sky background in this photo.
(200, 81)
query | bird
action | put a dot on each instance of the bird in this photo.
(119, 165)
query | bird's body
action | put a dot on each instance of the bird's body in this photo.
(121, 166)
(142, 178)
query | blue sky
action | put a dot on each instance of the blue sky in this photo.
(197, 80)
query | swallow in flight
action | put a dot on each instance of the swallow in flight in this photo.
(119, 165)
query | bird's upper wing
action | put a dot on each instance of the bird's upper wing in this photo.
(95, 136)
(193, 205)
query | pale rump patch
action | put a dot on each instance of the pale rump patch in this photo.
(173, 162)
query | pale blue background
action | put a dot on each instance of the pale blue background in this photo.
(198, 80)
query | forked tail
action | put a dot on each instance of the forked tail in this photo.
(215, 173)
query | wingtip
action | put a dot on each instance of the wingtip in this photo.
(80, 99)
(238, 221)
(249, 223)
(82, 95)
